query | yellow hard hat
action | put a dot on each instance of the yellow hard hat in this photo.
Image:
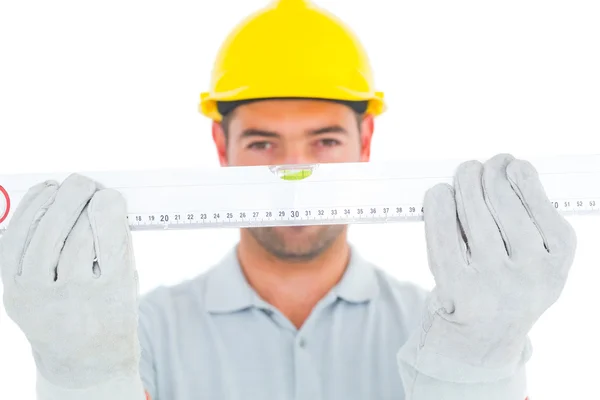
(291, 49)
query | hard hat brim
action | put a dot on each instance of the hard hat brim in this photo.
(208, 101)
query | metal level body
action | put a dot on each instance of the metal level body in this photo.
(346, 193)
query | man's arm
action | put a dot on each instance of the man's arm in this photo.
(150, 339)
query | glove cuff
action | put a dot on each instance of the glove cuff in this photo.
(430, 362)
(121, 388)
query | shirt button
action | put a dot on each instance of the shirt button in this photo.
(302, 343)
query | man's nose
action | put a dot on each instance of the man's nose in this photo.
(297, 155)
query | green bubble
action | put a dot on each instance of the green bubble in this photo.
(295, 175)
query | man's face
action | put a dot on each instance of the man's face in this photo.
(275, 132)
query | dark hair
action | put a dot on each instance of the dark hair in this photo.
(227, 108)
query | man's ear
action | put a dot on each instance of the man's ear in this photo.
(218, 135)
(367, 128)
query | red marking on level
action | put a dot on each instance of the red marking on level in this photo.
(4, 193)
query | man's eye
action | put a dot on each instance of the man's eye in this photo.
(260, 145)
(329, 142)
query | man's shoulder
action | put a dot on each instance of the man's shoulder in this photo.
(399, 291)
(399, 302)
(166, 298)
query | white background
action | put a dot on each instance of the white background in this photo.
(115, 85)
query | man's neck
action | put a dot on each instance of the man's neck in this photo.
(294, 288)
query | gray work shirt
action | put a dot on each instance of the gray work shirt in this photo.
(213, 337)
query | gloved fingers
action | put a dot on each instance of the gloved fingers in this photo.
(23, 224)
(442, 233)
(520, 235)
(479, 227)
(558, 235)
(77, 256)
(41, 257)
(112, 237)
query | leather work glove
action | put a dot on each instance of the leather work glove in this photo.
(70, 284)
(500, 254)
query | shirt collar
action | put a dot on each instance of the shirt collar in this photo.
(228, 290)
(359, 282)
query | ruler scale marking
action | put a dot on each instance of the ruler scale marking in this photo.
(345, 193)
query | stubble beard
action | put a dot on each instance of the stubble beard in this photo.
(306, 248)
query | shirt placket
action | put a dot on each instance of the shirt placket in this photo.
(306, 372)
(308, 381)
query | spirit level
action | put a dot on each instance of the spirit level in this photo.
(345, 193)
